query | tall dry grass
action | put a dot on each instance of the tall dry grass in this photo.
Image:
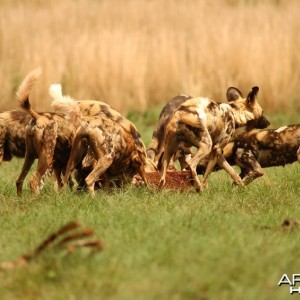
(136, 53)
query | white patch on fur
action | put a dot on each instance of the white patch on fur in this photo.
(55, 90)
(241, 115)
(280, 129)
(64, 104)
(202, 105)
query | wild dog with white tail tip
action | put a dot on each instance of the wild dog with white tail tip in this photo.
(101, 109)
(48, 138)
(116, 145)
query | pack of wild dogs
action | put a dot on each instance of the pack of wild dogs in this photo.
(88, 145)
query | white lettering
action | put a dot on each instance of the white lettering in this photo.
(294, 290)
(296, 278)
(284, 280)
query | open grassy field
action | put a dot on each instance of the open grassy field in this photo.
(226, 243)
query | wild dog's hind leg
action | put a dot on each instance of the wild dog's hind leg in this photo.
(30, 156)
(44, 140)
(79, 149)
(38, 176)
(170, 150)
(2, 141)
(213, 158)
(101, 166)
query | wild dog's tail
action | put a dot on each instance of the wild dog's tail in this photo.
(55, 91)
(25, 89)
(65, 104)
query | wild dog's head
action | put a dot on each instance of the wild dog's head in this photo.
(246, 109)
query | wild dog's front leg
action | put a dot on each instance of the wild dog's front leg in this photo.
(143, 175)
(141, 171)
(222, 162)
(162, 180)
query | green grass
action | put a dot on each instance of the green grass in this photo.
(159, 245)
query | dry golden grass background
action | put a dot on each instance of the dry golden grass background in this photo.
(137, 53)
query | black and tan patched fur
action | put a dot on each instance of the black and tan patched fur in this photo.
(94, 108)
(208, 126)
(115, 155)
(12, 134)
(113, 144)
(257, 149)
(48, 138)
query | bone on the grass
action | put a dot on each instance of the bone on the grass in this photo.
(97, 245)
(85, 232)
(81, 233)
(68, 227)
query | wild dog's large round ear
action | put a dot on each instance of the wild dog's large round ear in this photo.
(252, 95)
(233, 94)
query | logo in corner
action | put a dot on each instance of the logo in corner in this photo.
(291, 282)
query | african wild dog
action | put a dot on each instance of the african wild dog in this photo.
(12, 132)
(114, 151)
(208, 126)
(97, 108)
(48, 137)
(155, 150)
(118, 153)
(257, 149)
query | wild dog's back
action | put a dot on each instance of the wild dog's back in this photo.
(272, 147)
(100, 109)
